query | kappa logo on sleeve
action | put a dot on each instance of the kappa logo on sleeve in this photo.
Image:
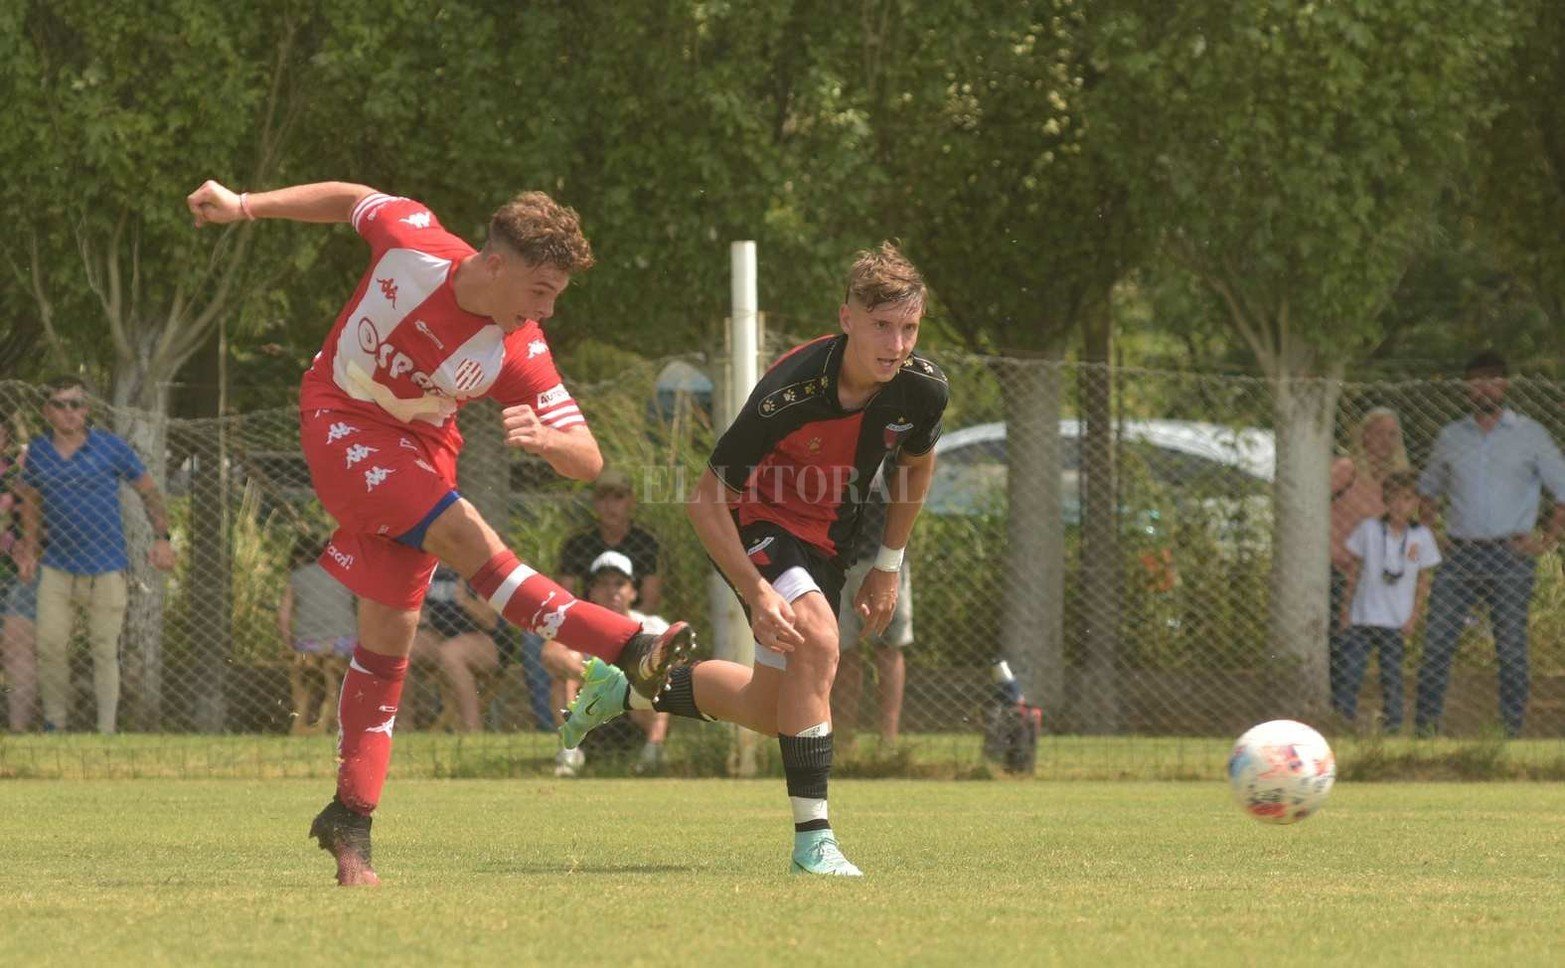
(419, 220)
(537, 348)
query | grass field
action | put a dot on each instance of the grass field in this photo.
(540, 871)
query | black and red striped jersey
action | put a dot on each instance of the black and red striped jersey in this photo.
(794, 456)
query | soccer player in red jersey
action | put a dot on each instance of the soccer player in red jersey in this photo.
(432, 324)
(777, 506)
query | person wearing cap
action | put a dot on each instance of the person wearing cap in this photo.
(614, 529)
(611, 578)
(1490, 468)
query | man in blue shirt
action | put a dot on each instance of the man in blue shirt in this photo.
(1492, 468)
(71, 487)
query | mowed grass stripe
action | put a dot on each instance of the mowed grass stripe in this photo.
(669, 871)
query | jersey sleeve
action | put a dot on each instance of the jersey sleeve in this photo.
(745, 443)
(926, 432)
(393, 222)
(529, 377)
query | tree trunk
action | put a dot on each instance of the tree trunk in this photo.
(140, 401)
(1032, 599)
(1098, 709)
(1304, 411)
(209, 573)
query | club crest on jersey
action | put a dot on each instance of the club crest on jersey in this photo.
(780, 400)
(537, 348)
(814, 446)
(468, 375)
(892, 435)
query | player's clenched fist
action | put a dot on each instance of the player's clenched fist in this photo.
(214, 203)
(523, 429)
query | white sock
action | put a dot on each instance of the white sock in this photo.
(635, 700)
(807, 808)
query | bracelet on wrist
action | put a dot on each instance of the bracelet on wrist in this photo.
(244, 206)
(888, 559)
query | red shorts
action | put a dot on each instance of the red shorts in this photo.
(379, 482)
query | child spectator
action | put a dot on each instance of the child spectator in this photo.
(318, 621)
(1388, 579)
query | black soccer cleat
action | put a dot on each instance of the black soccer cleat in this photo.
(648, 658)
(346, 836)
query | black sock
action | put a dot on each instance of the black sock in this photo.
(680, 696)
(807, 765)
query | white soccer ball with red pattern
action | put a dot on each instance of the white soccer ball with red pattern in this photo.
(1281, 771)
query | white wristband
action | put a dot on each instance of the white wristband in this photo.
(888, 559)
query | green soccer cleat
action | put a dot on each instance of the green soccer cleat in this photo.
(816, 852)
(600, 699)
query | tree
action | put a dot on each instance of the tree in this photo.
(986, 125)
(118, 110)
(1296, 159)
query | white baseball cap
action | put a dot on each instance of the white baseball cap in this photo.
(615, 560)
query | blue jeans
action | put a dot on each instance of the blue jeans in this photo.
(1357, 643)
(1474, 572)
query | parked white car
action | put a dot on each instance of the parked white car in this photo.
(970, 469)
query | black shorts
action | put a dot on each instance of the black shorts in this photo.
(774, 551)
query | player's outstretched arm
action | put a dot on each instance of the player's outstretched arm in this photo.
(317, 202)
(772, 616)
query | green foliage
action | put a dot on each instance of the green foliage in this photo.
(1294, 152)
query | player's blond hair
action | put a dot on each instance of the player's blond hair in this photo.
(542, 231)
(883, 276)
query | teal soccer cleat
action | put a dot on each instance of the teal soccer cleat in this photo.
(816, 852)
(600, 699)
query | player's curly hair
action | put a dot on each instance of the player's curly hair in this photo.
(883, 276)
(542, 231)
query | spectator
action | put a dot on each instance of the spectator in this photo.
(18, 599)
(1491, 467)
(610, 583)
(1396, 554)
(1376, 450)
(71, 486)
(318, 619)
(890, 666)
(614, 510)
(455, 636)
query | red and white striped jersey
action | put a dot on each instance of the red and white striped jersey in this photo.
(402, 348)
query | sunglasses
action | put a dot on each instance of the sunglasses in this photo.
(68, 404)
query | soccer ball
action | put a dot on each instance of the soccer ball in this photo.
(1281, 771)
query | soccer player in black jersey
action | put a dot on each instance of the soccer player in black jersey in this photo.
(776, 509)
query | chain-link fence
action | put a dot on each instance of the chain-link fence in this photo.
(1154, 553)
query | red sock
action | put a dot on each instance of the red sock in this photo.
(532, 601)
(367, 712)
